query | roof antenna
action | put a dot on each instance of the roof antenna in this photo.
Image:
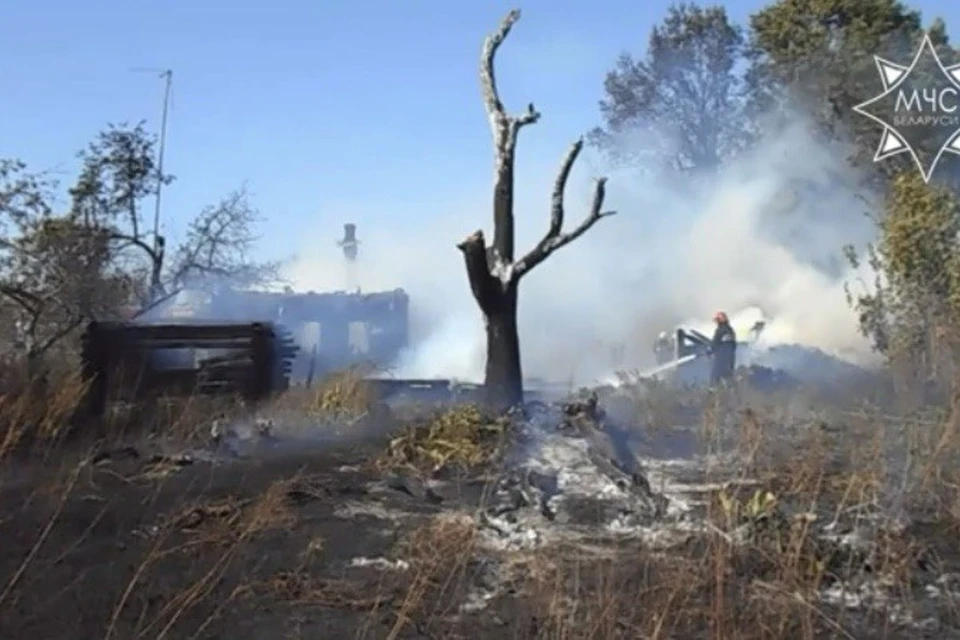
(167, 76)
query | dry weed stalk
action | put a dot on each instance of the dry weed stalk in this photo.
(229, 524)
(439, 553)
(184, 418)
(66, 492)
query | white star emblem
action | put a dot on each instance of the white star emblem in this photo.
(900, 138)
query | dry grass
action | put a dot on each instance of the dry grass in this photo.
(343, 399)
(463, 438)
(39, 414)
(760, 571)
(764, 569)
(216, 532)
(441, 555)
(39, 418)
(229, 518)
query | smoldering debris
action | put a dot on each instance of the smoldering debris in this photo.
(805, 364)
(572, 476)
(558, 490)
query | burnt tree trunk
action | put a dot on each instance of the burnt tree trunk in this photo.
(503, 377)
(493, 271)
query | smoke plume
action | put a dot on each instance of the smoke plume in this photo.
(763, 240)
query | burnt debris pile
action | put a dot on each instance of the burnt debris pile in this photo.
(571, 475)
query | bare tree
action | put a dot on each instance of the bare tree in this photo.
(493, 271)
(218, 244)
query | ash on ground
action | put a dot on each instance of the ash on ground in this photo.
(573, 476)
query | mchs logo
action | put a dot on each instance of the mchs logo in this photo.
(919, 108)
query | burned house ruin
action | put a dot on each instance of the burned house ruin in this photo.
(249, 342)
(332, 330)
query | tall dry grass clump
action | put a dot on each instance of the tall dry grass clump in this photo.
(40, 412)
(342, 398)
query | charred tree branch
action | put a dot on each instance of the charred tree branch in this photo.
(505, 130)
(30, 302)
(155, 254)
(559, 189)
(555, 238)
(488, 81)
(136, 242)
(482, 283)
(57, 336)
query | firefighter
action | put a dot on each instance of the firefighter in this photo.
(723, 350)
(663, 348)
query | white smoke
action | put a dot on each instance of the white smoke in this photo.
(764, 238)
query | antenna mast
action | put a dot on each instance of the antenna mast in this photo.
(167, 76)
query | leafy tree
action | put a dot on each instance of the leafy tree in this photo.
(914, 304)
(54, 272)
(58, 270)
(494, 272)
(119, 171)
(685, 100)
(819, 57)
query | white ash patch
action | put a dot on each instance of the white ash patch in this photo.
(946, 587)
(535, 503)
(921, 611)
(855, 597)
(680, 480)
(489, 583)
(477, 601)
(919, 605)
(185, 457)
(575, 472)
(350, 510)
(878, 595)
(380, 563)
(560, 489)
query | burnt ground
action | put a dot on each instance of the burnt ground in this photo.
(131, 548)
(320, 544)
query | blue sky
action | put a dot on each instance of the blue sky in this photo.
(330, 110)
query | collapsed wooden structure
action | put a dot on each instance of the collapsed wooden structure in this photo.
(125, 361)
(334, 330)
